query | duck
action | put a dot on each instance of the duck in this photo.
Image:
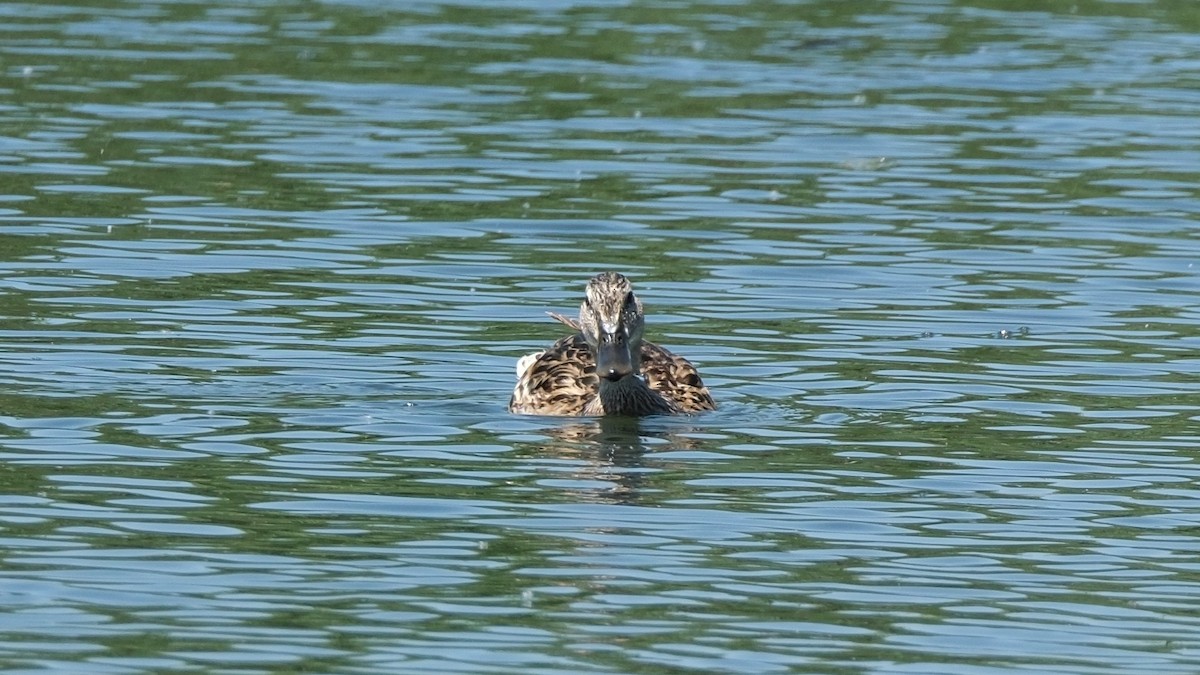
(605, 367)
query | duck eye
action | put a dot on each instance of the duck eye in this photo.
(629, 299)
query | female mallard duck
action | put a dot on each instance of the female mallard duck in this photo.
(605, 368)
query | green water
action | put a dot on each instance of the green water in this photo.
(267, 268)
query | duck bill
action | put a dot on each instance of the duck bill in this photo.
(613, 360)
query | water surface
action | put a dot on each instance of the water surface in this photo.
(267, 269)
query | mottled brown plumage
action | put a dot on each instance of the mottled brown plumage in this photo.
(635, 377)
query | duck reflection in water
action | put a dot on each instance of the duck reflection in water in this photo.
(606, 368)
(610, 459)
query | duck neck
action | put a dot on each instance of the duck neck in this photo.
(629, 396)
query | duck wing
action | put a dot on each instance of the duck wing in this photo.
(559, 381)
(675, 378)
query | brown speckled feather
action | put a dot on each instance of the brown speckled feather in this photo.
(562, 380)
(676, 379)
(559, 381)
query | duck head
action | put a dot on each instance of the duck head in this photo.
(611, 322)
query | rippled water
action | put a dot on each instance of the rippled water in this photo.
(268, 267)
